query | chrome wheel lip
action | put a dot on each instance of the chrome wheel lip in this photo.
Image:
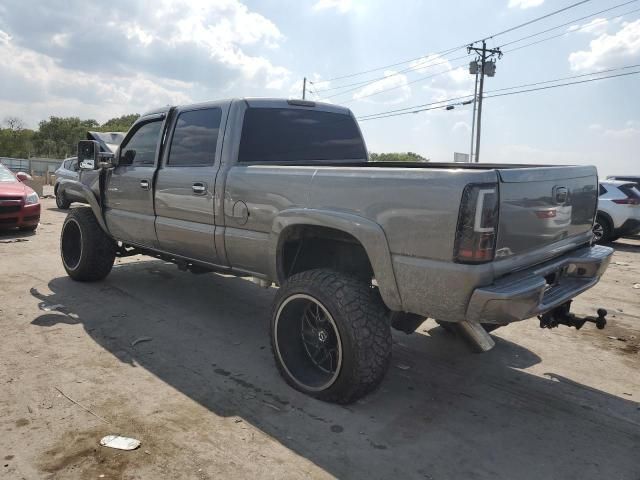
(333, 324)
(598, 231)
(64, 260)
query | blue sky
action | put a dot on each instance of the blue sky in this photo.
(98, 60)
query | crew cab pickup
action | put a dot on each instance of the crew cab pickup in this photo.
(282, 191)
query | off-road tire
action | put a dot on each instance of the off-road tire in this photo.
(87, 252)
(363, 326)
(61, 201)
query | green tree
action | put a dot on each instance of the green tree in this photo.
(397, 157)
(58, 137)
(119, 124)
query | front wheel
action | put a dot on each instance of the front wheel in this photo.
(61, 200)
(87, 252)
(330, 335)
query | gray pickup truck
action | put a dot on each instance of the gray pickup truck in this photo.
(282, 191)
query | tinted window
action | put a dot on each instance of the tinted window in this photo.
(195, 138)
(287, 135)
(140, 149)
(602, 190)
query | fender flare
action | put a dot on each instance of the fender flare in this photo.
(370, 235)
(85, 192)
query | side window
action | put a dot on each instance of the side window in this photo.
(195, 138)
(140, 149)
(602, 191)
(74, 165)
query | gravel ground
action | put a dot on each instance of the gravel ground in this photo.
(203, 395)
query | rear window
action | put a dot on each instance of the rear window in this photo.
(630, 190)
(299, 135)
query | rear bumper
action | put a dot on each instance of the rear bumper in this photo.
(531, 292)
(26, 216)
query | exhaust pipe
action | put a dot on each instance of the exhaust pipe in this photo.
(476, 336)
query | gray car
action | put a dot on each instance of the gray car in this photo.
(282, 192)
(67, 171)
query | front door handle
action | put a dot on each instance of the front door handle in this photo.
(144, 184)
(199, 188)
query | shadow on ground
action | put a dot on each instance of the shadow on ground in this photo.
(442, 412)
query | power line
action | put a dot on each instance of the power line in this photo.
(418, 67)
(417, 108)
(450, 50)
(573, 21)
(563, 84)
(413, 67)
(570, 31)
(564, 9)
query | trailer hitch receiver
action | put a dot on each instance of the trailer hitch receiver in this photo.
(561, 316)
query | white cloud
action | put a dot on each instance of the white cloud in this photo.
(597, 27)
(631, 130)
(341, 6)
(522, 4)
(609, 50)
(463, 127)
(376, 92)
(185, 50)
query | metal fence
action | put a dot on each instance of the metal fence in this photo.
(39, 167)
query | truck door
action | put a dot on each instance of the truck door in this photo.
(129, 194)
(184, 197)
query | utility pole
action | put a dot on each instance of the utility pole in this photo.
(473, 117)
(304, 88)
(488, 68)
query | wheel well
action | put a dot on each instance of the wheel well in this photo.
(307, 247)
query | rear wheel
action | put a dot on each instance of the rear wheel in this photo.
(61, 201)
(330, 335)
(602, 230)
(87, 252)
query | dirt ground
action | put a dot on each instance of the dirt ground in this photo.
(203, 395)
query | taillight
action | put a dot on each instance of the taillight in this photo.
(546, 213)
(477, 224)
(627, 201)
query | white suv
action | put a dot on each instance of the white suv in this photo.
(618, 211)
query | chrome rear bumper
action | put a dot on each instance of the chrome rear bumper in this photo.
(538, 289)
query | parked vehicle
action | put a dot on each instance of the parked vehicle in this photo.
(19, 204)
(282, 191)
(618, 211)
(629, 178)
(69, 171)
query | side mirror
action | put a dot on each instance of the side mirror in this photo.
(23, 177)
(88, 154)
(91, 158)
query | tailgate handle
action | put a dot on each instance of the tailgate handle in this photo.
(561, 195)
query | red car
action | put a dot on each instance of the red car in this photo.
(19, 204)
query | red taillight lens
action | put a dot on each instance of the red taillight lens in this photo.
(627, 201)
(546, 213)
(477, 224)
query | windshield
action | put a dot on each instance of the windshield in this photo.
(6, 176)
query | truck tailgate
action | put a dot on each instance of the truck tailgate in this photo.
(540, 206)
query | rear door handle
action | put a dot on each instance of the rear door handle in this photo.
(144, 184)
(199, 188)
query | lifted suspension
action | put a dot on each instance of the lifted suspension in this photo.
(561, 316)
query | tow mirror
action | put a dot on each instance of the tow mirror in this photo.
(91, 158)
